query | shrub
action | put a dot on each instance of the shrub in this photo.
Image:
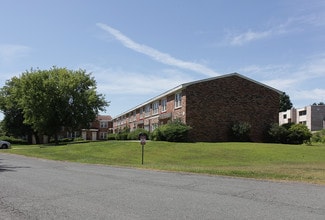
(13, 140)
(173, 132)
(299, 134)
(290, 133)
(157, 134)
(279, 134)
(78, 139)
(111, 136)
(134, 135)
(241, 131)
(319, 136)
(121, 136)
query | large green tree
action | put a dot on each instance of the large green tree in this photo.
(55, 98)
(12, 124)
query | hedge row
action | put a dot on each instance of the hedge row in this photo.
(173, 132)
(13, 140)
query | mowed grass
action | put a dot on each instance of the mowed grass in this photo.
(253, 160)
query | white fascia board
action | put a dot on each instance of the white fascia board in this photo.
(173, 90)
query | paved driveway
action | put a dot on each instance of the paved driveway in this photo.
(42, 189)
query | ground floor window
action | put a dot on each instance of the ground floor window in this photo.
(103, 135)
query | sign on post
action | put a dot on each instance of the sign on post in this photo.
(142, 138)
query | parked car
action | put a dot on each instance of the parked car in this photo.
(4, 145)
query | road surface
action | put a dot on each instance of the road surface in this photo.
(43, 189)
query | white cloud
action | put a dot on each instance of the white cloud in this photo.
(315, 95)
(157, 55)
(303, 83)
(249, 36)
(290, 25)
(117, 82)
(10, 52)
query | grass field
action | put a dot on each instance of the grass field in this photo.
(252, 160)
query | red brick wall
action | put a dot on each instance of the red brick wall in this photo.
(213, 106)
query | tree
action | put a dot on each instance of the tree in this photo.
(56, 98)
(12, 123)
(320, 103)
(285, 102)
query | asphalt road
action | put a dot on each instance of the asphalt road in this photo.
(42, 189)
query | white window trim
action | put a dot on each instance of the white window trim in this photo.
(178, 100)
(164, 105)
(147, 110)
(103, 124)
(155, 108)
(103, 135)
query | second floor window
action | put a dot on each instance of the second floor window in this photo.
(155, 107)
(164, 105)
(147, 110)
(178, 100)
(301, 113)
(103, 124)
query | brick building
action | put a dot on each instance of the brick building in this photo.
(98, 129)
(210, 106)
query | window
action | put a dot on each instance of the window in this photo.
(130, 117)
(164, 105)
(147, 110)
(103, 124)
(284, 116)
(304, 112)
(155, 107)
(103, 135)
(141, 112)
(178, 100)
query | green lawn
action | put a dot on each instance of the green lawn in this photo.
(253, 160)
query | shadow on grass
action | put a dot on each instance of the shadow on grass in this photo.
(64, 143)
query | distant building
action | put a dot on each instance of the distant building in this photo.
(210, 106)
(312, 116)
(98, 129)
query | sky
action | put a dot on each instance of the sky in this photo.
(136, 50)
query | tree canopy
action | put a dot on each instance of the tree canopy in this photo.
(285, 102)
(48, 100)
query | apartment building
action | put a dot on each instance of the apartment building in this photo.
(312, 116)
(98, 129)
(210, 106)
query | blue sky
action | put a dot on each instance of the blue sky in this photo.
(136, 50)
